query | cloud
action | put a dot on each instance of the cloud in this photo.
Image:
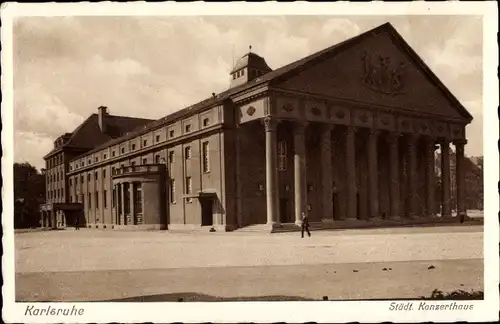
(152, 66)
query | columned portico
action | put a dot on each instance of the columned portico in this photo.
(394, 175)
(412, 177)
(430, 190)
(299, 167)
(445, 179)
(270, 126)
(459, 155)
(326, 173)
(373, 171)
(351, 173)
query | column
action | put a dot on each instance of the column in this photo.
(430, 180)
(270, 126)
(326, 173)
(42, 220)
(122, 204)
(445, 178)
(460, 176)
(373, 173)
(131, 188)
(394, 174)
(299, 169)
(412, 176)
(351, 172)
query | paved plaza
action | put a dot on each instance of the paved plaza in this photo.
(98, 265)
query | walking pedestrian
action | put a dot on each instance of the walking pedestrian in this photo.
(77, 227)
(305, 225)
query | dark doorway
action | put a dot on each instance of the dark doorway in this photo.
(206, 212)
(284, 215)
(358, 205)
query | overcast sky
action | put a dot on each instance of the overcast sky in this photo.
(65, 67)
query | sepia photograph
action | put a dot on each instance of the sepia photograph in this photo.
(169, 162)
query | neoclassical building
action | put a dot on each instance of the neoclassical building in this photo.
(347, 135)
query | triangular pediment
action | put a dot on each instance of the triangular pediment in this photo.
(381, 69)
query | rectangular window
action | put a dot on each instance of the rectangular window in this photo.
(188, 128)
(138, 198)
(133, 147)
(105, 156)
(171, 157)
(206, 161)
(171, 133)
(206, 122)
(187, 152)
(70, 182)
(82, 178)
(123, 150)
(157, 159)
(132, 163)
(113, 153)
(144, 161)
(145, 143)
(189, 188)
(96, 175)
(113, 171)
(96, 159)
(104, 173)
(89, 161)
(282, 160)
(105, 197)
(157, 138)
(88, 177)
(97, 200)
(172, 191)
(89, 202)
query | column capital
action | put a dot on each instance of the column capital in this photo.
(352, 129)
(270, 124)
(460, 142)
(299, 126)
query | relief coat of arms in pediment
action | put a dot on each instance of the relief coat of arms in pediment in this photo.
(382, 75)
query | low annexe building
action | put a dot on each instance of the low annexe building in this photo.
(347, 134)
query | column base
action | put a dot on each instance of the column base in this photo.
(273, 225)
(327, 220)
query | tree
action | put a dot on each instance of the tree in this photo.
(29, 193)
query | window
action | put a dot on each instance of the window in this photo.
(90, 161)
(105, 156)
(242, 72)
(188, 128)
(89, 202)
(88, 177)
(145, 143)
(157, 159)
(104, 173)
(70, 182)
(157, 138)
(70, 167)
(113, 153)
(171, 133)
(132, 163)
(96, 199)
(96, 175)
(172, 191)
(76, 180)
(77, 166)
(205, 152)
(123, 150)
(96, 159)
(171, 157)
(113, 171)
(282, 162)
(144, 161)
(138, 198)
(187, 152)
(57, 176)
(189, 188)
(206, 122)
(83, 163)
(234, 76)
(105, 197)
(82, 178)
(133, 147)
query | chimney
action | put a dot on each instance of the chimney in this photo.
(102, 113)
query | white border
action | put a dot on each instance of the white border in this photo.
(339, 311)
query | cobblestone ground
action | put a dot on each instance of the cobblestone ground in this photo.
(104, 265)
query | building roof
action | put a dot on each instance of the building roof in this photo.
(88, 134)
(286, 71)
(251, 60)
